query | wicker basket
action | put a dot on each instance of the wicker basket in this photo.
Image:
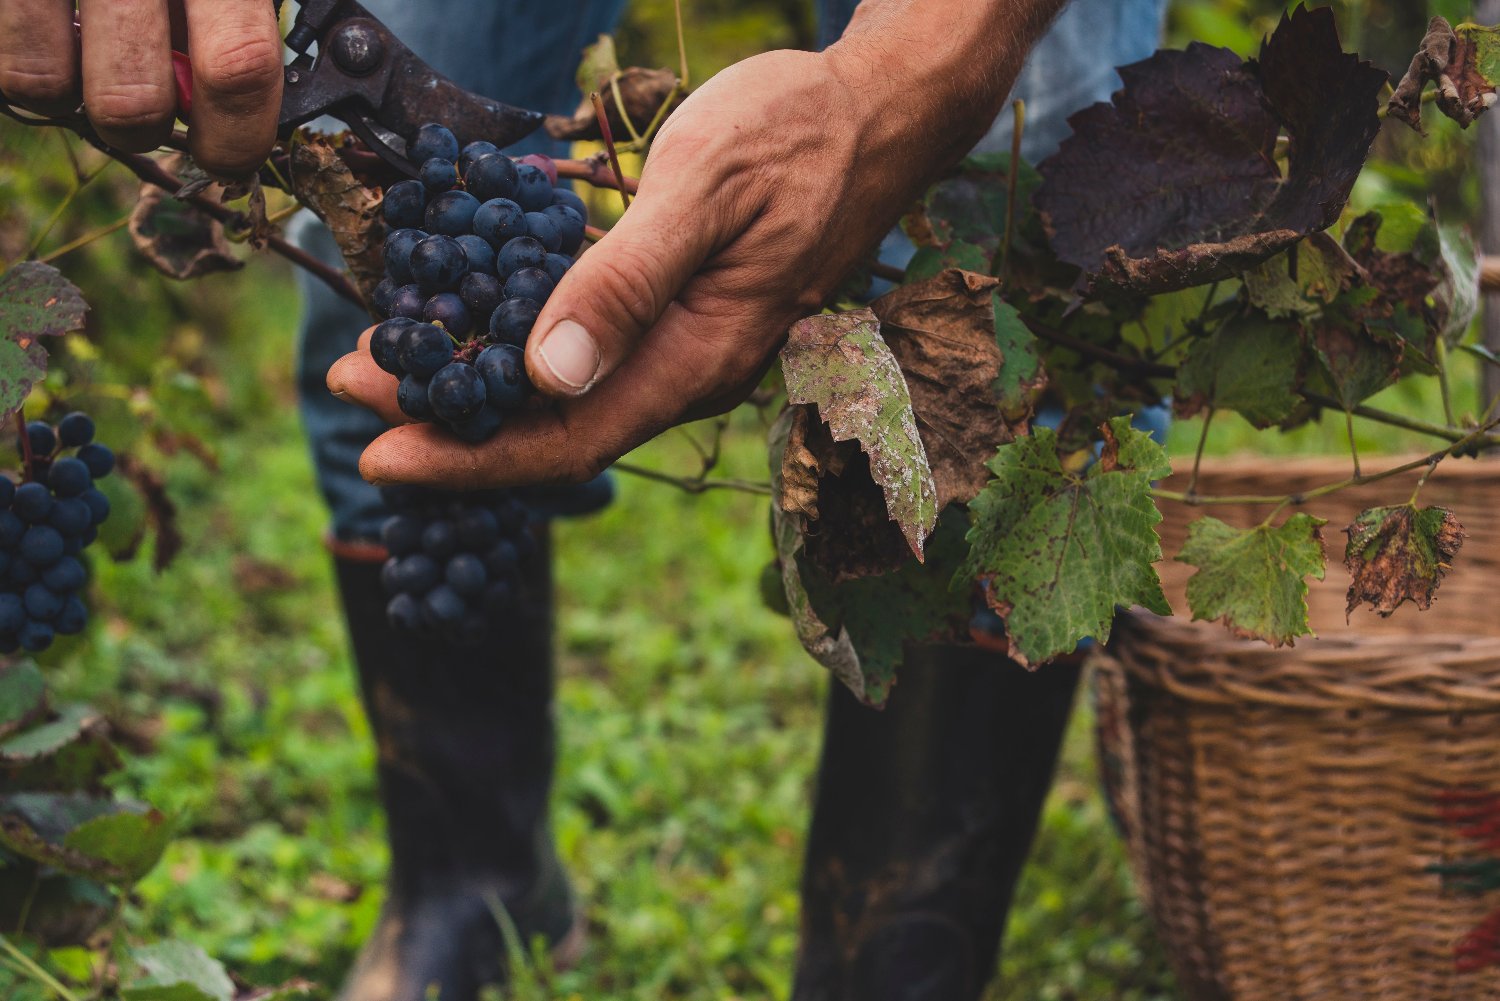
(1291, 813)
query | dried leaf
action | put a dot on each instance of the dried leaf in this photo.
(642, 91)
(178, 239)
(942, 333)
(841, 364)
(1253, 579)
(1175, 183)
(1060, 550)
(323, 182)
(1399, 554)
(1464, 63)
(161, 511)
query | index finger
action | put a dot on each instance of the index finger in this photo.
(235, 50)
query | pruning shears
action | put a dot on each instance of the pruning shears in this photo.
(364, 76)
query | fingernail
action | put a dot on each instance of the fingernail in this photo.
(570, 354)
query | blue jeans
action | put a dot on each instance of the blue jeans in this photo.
(525, 52)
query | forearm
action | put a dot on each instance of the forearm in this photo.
(944, 67)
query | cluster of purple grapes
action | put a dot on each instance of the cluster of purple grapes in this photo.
(475, 248)
(456, 560)
(46, 522)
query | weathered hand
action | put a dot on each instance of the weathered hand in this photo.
(122, 71)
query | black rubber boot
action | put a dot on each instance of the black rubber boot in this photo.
(924, 816)
(466, 752)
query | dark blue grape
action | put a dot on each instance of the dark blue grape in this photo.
(447, 310)
(42, 602)
(75, 429)
(569, 197)
(556, 266)
(528, 283)
(23, 573)
(465, 574)
(497, 597)
(569, 223)
(383, 295)
(479, 427)
(67, 574)
(417, 573)
(9, 643)
(443, 605)
(390, 574)
(477, 529)
(501, 559)
(456, 392)
(499, 221)
(439, 540)
(71, 516)
(432, 140)
(33, 502)
(492, 176)
(41, 546)
(87, 538)
(408, 302)
(411, 397)
(522, 252)
(544, 231)
(481, 293)
(533, 188)
(69, 477)
(385, 345)
(438, 174)
(404, 612)
(478, 252)
(42, 438)
(404, 204)
(36, 636)
(438, 263)
(402, 534)
(472, 152)
(503, 369)
(513, 319)
(451, 213)
(12, 528)
(12, 612)
(98, 458)
(398, 248)
(8, 489)
(73, 617)
(98, 504)
(424, 349)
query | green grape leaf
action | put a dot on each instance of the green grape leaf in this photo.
(1252, 579)
(1299, 282)
(1175, 183)
(841, 364)
(85, 835)
(61, 909)
(1399, 554)
(598, 64)
(1021, 375)
(968, 208)
(23, 696)
(1456, 298)
(36, 301)
(176, 971)
(1060, 551)
(928, 262)
(1248, 365)
(1355, 360)
(1463, 62)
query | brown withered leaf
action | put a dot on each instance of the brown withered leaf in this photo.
(1175, 183)
(161, 513)
(1400, 554)
(179, 240)
(1460, 62)
(942, 332)
(323, 182)
(642, 92)
(811, 454)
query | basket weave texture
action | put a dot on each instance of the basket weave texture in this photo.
(1291, 813)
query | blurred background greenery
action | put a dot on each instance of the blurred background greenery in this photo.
(690, 717)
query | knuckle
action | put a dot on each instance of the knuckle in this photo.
(243, 70)
(625, 275)
(35, 83)
(130, 106)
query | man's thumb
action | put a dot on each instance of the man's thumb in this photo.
(612, 295)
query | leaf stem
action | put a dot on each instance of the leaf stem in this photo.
(36, 971)
(609, 146)
(1442, 372)
(86, 239)
(1018, 110)
(1353, 448)
(695, 484)
(1192, 487)
(28, 461)
(682, 75)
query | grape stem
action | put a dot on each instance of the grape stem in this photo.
(695, 484)
(595, 170)
(27, 459)
(609, 146)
